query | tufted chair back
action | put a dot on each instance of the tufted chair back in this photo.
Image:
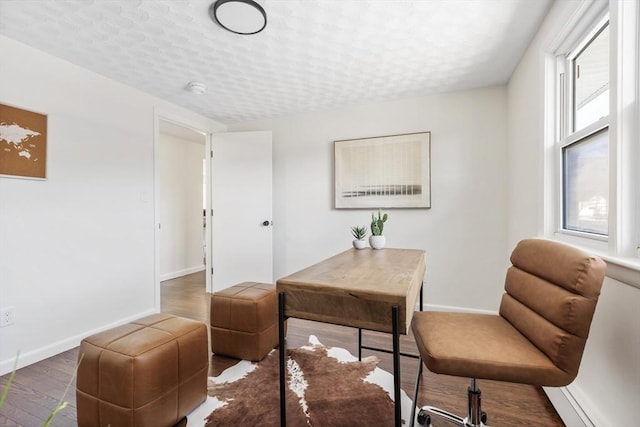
(551, 291)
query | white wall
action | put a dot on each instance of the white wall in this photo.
(608, 385)
(181, 232)
(77, 250)
(464, 232)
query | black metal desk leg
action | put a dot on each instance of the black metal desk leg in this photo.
(359, 344)
(282, 350)
(395, 313)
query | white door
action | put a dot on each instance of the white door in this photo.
(241, 241)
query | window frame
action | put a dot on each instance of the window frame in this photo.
(621, 250)
(564, 135)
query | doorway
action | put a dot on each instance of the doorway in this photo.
(239, 174)
(181, 200)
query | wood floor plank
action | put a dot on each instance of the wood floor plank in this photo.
(39, 386)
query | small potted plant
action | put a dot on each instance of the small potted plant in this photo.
(377, 239)
(359, 233)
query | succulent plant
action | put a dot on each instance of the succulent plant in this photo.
(359, 232)
(377, 223)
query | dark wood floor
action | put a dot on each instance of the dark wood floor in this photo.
(37, 388)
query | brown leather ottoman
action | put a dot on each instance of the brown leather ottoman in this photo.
(244, 321)
(150, 372)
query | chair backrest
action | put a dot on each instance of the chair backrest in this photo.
(551, 295)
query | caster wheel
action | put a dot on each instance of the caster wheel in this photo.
(483, 417)
(424, 419)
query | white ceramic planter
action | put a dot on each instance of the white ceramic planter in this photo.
(359, 244)
(377, 242)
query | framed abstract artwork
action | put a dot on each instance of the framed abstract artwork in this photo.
(23, 143)
(383, 172)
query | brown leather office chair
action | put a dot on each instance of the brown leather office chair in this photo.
(537, 338)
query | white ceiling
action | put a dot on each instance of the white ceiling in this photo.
(314, 55)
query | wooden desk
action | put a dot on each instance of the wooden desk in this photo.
(368, 289)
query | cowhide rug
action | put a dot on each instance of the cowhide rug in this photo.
(327, 387)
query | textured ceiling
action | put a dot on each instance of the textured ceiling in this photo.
(314, 55)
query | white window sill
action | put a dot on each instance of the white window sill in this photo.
(625, 270)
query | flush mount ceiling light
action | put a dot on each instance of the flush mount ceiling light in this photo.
(239, 16)
(196, 87)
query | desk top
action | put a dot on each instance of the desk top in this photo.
(357, 288)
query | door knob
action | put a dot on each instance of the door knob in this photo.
(266, 223)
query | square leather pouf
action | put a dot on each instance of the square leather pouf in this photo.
(244, 321)
(147, 373)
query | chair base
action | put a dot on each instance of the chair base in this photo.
(424, 417)
(476, 417)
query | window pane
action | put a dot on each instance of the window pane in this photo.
(586, 184)
(591, 82)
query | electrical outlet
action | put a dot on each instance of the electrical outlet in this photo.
(6, 316)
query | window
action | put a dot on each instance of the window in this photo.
(585, 164)
(583, 134)
(592, 135)
(590, 72)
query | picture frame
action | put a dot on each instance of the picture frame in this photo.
(23, 143)
(392, 171)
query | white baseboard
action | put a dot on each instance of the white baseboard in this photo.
(180, 273)
(38, 354)
(568, 407)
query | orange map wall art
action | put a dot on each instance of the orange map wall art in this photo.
(23, 143)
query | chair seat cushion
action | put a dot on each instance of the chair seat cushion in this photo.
(482, 346)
